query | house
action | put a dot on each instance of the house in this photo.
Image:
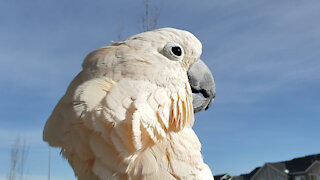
(223, 177)
(303, 168)
(245, 176)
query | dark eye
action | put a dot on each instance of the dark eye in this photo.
(173, 51)
(176, 50)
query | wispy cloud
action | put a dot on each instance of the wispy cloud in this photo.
(264, 49)
(9, 136)
(35, 177)
(37, 154)
(256, 49)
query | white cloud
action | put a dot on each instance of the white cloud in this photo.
(37, 177)
(9, 136)
(263, 49)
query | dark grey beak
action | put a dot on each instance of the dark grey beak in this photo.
(201, 81)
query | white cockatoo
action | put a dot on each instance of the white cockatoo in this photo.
(129, 113)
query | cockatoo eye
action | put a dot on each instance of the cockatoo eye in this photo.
(173, 51)
(176, 50)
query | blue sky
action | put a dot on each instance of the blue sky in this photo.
(264, 56)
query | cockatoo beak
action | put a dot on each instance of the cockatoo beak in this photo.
(201, 81)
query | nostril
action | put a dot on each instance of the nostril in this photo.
(206, 93)
(195, 89)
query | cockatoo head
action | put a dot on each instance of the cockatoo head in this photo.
(162, 56)
(171, 45)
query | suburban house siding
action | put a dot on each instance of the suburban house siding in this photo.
(314, 171)
(267, 172)
(295, 177)
(302, 168)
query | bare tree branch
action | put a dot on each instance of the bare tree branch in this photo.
(18, 159)
(23, 155)
(149, 20)
(49, 164)
(14, 159)
(119, 32)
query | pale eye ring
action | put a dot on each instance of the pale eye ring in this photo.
(173, 51)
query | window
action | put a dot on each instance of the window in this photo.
(299, 178)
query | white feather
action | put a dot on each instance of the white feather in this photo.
(128, 114)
